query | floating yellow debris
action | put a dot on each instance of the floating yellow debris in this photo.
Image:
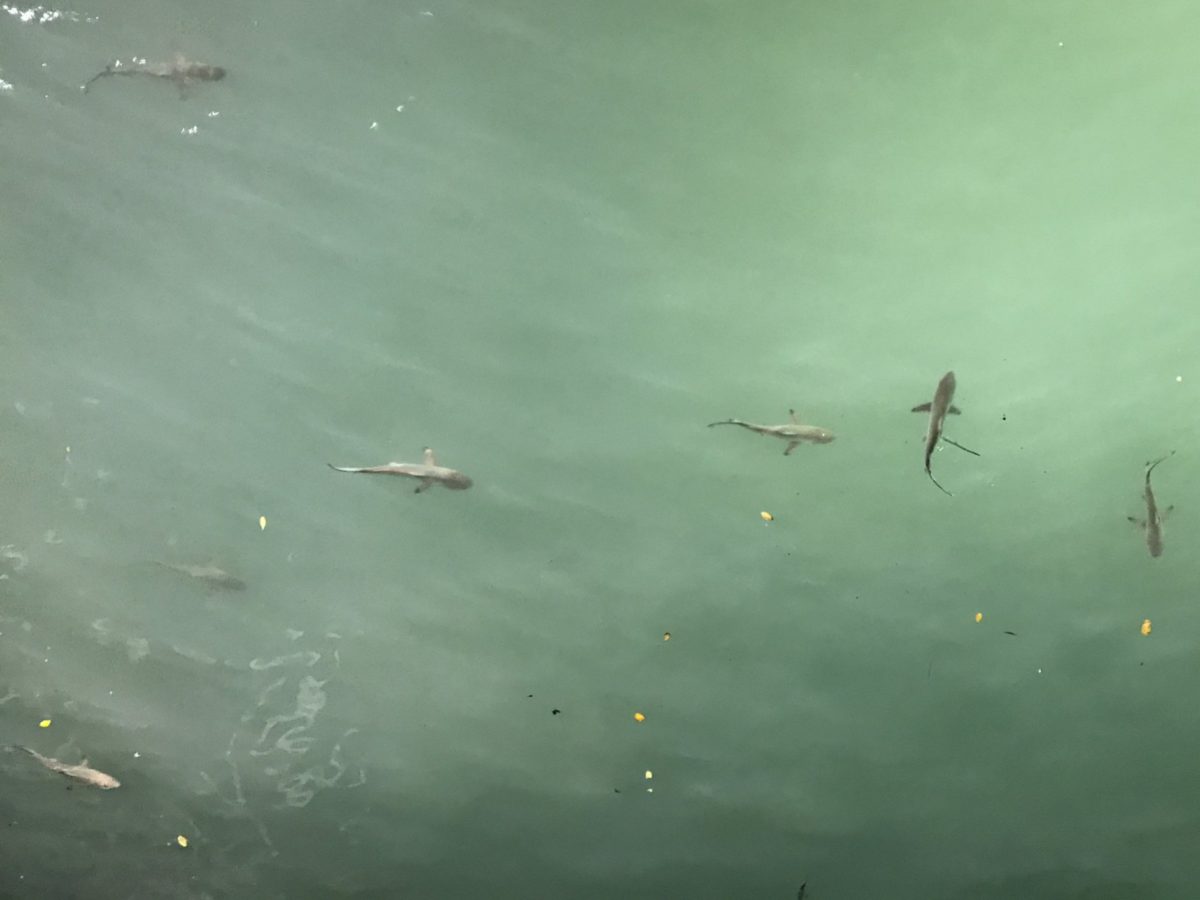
(181, 840)
(262, 523)
(1146, 627)
(45, 723)
(666, 635)
(649, 774)
(978, 617)
(638, 717)
(766, 516)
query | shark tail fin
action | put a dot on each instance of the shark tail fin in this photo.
(924, 407)
(937, 484)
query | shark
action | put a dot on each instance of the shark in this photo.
(80, 771)
(183, 72)
(1153, 522)
(209, 574)
(794, 432)
(428, 473)
(937, 409)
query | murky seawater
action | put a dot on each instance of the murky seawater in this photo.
(554, 243)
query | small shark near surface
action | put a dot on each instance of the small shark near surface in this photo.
(209, 574)
(428, 473)
(793, 432)
(937, 409)
(1153, 522)
(182, 71)
(80, 771)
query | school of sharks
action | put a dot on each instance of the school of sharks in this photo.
(428, 473)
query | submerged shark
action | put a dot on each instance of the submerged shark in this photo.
(182, 71)
(80, 771)
(937, 409)
(794, 432)
(1152, 524)
(428, 473)
(210, 574)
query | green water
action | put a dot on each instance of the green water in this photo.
(592, 229)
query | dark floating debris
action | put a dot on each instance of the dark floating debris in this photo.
(555, 712)
(1013, 633)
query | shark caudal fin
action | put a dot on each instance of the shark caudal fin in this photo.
(937, 484)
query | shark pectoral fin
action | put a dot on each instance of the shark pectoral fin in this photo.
(1140, 523)
(792, 416)
(955, 410)
(792, 445)
(426, 484)
(924, 407)
(429, 458)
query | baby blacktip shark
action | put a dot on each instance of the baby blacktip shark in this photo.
(428, 473)
(794, 432)
(937, 409)
(80, 771)
(1152, 524)
(183, 72)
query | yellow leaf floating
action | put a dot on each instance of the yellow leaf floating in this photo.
(638, 717)
(666, 635)
(649, 774)
(45, 723)
(978, 617)
(1146, 627)
(766, 516)
(262, 523)
(181, 840)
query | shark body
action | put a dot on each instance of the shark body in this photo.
(794, 432)
(938, 407)
(209, 574)
(428, 473)
(1153, 522)
(182, 72)
(81, 772)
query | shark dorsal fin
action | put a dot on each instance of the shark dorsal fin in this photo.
(792, 415)
(430, 459)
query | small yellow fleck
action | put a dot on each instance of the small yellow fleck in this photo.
(766, 516)
(649, 774)
(978, 617)
(262, 523)
(1178, 378)
(666, 635)
(45, 723)
(638, 717)
(1146, 627)
(181, 840)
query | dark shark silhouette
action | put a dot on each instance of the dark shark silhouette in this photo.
(182, 72)
(428, 473)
